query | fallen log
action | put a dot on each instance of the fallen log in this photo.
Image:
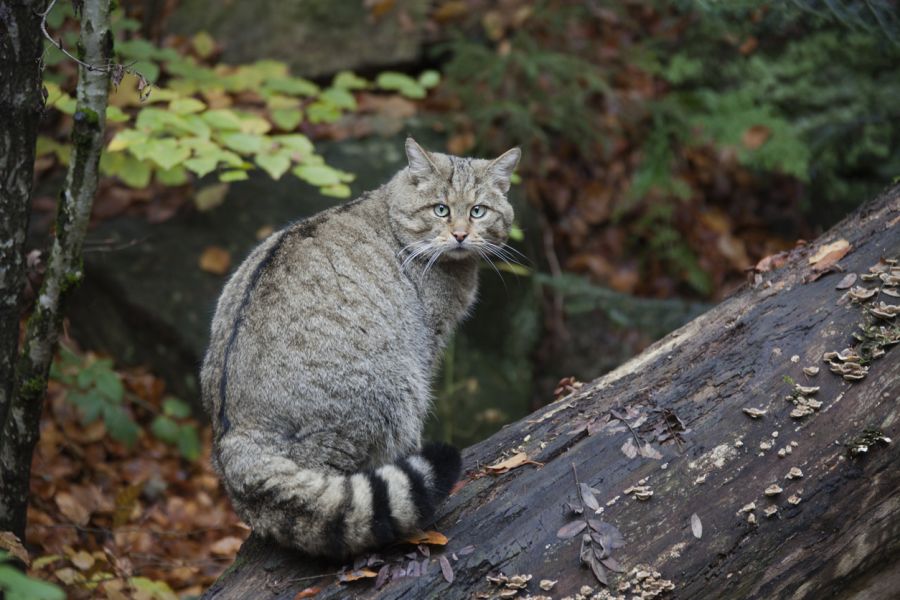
(729, 460)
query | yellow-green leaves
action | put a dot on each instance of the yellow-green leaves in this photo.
(399, 82)
(206, 118)
(275, 165)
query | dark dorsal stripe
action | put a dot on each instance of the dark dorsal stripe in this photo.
(384, 529)
(224, 423)
(419, 490)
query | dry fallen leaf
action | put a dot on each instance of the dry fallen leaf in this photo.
(755, 136)
(648, 451)
(307, 593)
(83, 560)
(356, 575)
(771, 262)
(435, 538)
(513, 462)
(227, 546)
(570, 530)
(215, 260)
(72, 508)
(829, 254)
(827, 249)
(210, 196)
(629, 449)
(12, 544)
(446, 569)
(696, 526)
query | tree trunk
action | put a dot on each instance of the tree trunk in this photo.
(833, 531)
(21, 106)
(64, 268)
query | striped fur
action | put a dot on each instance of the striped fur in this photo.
(322, 351)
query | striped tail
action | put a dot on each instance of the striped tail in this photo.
(334, 515)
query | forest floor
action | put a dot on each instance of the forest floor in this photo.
(113, 520)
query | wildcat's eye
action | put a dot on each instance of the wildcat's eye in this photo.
(477, 211)
(441, 210)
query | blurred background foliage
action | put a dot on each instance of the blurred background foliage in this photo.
(668, 148)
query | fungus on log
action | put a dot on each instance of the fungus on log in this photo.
(745, 455)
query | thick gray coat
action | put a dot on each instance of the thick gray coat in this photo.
(323, 346)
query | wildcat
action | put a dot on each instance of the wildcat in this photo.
(323, 346)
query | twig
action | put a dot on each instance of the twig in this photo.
(59, 45)
(619, 416)
(116, 70)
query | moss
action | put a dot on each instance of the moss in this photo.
(33, 387)
(71, 280)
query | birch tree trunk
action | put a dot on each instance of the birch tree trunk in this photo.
(64, 267)
(685, 492)
(21, 106)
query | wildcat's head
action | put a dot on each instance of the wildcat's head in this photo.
(450, 208)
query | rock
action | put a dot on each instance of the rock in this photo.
(316, 37)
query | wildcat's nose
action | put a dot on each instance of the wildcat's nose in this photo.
(460, 236)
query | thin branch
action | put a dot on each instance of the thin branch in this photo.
(59, 45)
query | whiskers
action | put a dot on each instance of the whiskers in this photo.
(430, 251)
(427, 250)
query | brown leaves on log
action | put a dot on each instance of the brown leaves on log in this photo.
(513, 462)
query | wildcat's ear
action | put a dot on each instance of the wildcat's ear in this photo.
(420, 163)
(501, 168)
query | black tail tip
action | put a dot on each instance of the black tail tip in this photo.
(447, 465)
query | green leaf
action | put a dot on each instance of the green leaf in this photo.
(287, 119)
(126, 138)
(89, 403)
(292, 86)
(339, 97)
(245, 143)
(318, 175)
(172, 177)
(134, 173)
(186, 106)
(338, 190)
(165, 429)
(166, 152)
(201, 165)
(429, 79)
(274, 164)
(398, 82)
(120, 424)
(115, 114)
(297, 142)
(516, 234)
(60, 12)
(136, 49)
(171, 405)
(323, 112)
(203, 44)
(236, 175)
(189, 442)
(222, 118)
(65, 104)
(108, 384)
(349, 81)
(150, 70)
(18, 586)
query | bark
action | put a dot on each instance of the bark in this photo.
(841, 538)
(64, 268)
(21, 106)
